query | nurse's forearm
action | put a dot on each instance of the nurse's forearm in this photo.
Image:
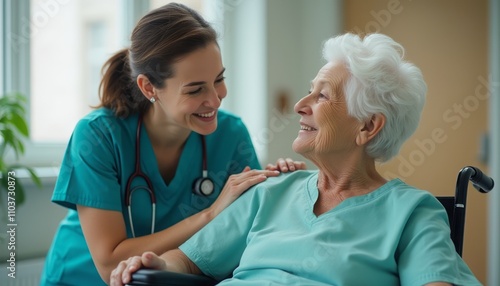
(164, 242)
(108, 242)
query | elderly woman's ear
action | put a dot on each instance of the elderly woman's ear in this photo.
(371, 128)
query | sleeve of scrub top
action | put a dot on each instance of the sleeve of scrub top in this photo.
(88, 174)
(427, 253)
(217, 248)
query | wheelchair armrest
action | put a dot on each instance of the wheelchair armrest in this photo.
(153, 277)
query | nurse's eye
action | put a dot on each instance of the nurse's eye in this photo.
(196, 91)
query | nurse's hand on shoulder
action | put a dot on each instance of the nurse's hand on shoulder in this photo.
(236, 185)
(123, 272)
(286, 165)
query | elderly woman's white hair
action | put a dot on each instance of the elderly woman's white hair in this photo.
(381, 81)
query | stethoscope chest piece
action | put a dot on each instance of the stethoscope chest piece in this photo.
(203, 186)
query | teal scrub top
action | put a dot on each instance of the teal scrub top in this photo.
(98, 161)
(395, 235)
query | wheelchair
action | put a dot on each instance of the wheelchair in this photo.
(455, 208)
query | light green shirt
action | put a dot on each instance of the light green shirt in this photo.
(395, 235)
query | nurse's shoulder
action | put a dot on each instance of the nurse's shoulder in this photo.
(102, 124)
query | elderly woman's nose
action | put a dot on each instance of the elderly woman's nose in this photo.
(302, 106)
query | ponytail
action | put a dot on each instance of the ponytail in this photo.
(117, 89)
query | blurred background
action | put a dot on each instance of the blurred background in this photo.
(53, 51)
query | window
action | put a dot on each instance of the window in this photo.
(67, 52)
(62, 45)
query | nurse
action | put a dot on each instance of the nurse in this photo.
(158, 159)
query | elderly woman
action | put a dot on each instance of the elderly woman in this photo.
(343, 224)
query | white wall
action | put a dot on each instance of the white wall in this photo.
(271, 47)
(244, 54)
(296, 32)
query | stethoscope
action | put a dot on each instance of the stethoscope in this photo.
(202, 186)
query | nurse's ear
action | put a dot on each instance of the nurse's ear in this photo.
(370, 128)
(146, 87)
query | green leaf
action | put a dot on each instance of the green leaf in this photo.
(19, 147)
(10, 104)
(3, 146)
(20, 124)
(19, 194)
(11, 140)
(13, 129)
(8, 137)
(34, 177)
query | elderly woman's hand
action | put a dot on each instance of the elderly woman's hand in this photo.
(285, 165)
(122, 274)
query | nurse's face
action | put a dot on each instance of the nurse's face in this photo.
(325, 126)
(192, 97)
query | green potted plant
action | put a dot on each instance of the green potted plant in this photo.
(13, 129)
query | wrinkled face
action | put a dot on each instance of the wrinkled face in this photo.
(325, 126)
(192, 97)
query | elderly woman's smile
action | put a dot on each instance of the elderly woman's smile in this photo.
(304, 127)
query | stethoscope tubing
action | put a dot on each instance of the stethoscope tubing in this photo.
(153, 214)
(138, 173)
